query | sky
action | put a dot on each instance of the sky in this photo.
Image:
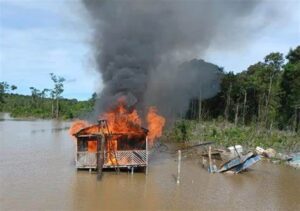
(39, 37)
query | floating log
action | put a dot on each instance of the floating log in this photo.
(197, 145)
(201, 144)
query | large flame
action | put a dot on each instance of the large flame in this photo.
(155, 124)
(121, 120)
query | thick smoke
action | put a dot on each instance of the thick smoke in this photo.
(140, 44)
(172, 92)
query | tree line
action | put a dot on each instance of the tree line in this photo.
(267, 94)
(45, 103)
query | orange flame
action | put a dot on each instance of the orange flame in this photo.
(92, 146)
(112, 147)
(121, 120)
(77, 126)
(155, 124)
(80, 124)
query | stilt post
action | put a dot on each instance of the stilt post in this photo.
(179, 166)
(209, 159)
(100, 159)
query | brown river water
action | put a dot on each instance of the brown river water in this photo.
(37, 172)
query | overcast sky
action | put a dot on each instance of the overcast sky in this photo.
(38, 37)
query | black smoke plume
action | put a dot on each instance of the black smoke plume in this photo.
(140, 46)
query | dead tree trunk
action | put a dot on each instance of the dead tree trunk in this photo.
(193, 109)
(52, 109)
(200, 107)
(236, 117)
(57, 108)
(297, 118)
(261, 109)
(228, 99)
(258, 109)
(268, 98)
(244, 106)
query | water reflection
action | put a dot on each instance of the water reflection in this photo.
(52, 130)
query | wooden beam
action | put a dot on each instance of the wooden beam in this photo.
(100, 157)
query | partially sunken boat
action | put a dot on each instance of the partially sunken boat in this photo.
(240, 163)
(249, 162)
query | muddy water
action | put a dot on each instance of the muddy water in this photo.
(37, 172)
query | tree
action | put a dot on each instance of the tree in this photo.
(294, 55)
(290, 84)
(3, 89)
(35, 94)
(13, 87)
(43, 93)
(245, 90)
(274, 62)
(52, 95)
(232, 94)
(264, 80)
(57, 91)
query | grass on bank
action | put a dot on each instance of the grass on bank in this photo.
(227, 134)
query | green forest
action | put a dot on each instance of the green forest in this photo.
(267, 93)
(258, 106)
(45, 104)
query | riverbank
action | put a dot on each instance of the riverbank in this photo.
(226, 134)
(8, 117)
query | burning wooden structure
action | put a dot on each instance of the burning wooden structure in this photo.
(97, 148)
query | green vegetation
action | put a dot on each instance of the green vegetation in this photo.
(259, 106)
(37, 107)
(227, 134)
(40, 105)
